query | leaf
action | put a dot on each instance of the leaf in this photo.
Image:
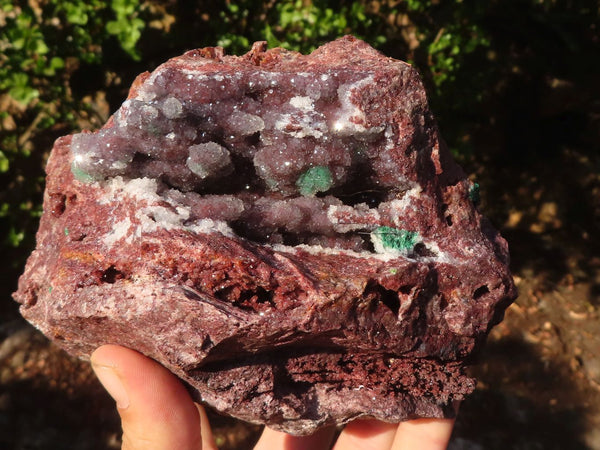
(4, 162)
(57, 63)
(113, 27)
(21, 91)
(40, 47)
(76, 13)
(15, 237)
(7, 6)
(18, 44)
(127, 27)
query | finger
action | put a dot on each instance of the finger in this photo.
(208, 440)
(366, 434)
(156, 411)
(271, 439)
(424, 434)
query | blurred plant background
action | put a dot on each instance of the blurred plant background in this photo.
(514, 85)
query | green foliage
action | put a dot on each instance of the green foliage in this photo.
(297, 25)
(128, 26)
(449, 36)
(303, 26)
(449, 49)
(36, 42)
(4, 162)
(418, 5)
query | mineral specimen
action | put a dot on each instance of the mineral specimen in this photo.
(286, 233)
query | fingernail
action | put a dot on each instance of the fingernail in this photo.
(113, 384)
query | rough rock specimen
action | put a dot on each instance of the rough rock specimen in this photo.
(286, 233)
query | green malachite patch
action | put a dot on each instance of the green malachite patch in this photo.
(474, 193)
(389, 238)
(316, 179)
(80, 175)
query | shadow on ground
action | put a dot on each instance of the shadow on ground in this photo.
(49, 400)
(522, 402)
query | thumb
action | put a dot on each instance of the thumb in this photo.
(156, 411)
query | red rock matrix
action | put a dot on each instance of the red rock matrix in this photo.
(287, 233)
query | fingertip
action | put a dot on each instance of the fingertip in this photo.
(273, 439)
(425, 434)
(208, 439)
(113, 383)
(366, 434)
(107, 355)
(158, 412)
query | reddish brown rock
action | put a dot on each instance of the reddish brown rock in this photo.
(286, 233)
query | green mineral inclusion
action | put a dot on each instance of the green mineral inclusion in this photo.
(394, 239)
(80, 175)
(316, 179)
(474, 193)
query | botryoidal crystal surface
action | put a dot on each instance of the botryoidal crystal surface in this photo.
(286, 233)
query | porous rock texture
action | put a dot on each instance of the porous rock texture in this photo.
(286, 233)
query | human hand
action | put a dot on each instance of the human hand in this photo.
(157, 413)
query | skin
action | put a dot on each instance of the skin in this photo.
(157, 413)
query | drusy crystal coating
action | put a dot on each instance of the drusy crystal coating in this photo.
(286, 233)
